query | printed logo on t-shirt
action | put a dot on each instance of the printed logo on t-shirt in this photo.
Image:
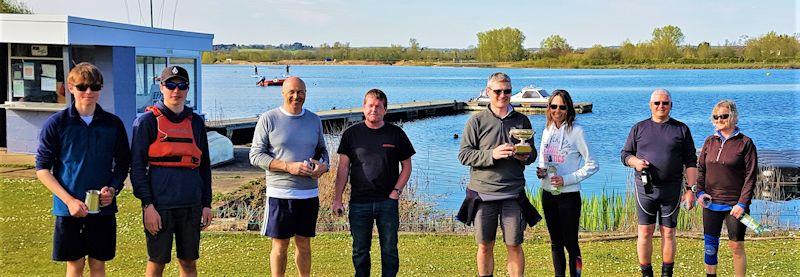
(554, 150)
(387, 145)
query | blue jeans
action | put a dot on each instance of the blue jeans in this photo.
(387, 217)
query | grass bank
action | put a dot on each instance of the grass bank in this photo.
(26, 241)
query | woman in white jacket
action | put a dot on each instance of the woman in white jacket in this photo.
(564, 161)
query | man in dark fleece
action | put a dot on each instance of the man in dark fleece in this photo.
(663, 147)
(171, 175)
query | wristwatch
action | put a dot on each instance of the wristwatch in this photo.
(399, 191)
(692, 188)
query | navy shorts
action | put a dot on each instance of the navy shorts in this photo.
(182, 224)
(662, 205)
(77, 237)
(285, 218)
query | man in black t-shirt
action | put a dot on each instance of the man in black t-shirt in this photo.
(369, 154)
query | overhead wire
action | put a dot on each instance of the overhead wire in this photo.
(174, 12)
(127, 11)
(161, 14)
(141, 17)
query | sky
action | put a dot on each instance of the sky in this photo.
(441, 24)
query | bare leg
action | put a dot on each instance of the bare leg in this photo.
(668, 244)
(97, 268)
(485, 258)
(75, 268)
(154, 269)
(516, 260)
(711, 269)
(302, 255)
(644, 244)
(277, 257)
(188, 268)
(739, 257)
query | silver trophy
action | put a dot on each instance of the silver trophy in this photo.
(522, 135)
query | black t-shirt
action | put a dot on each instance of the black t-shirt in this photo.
(375, 156)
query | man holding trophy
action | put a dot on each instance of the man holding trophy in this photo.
(496, 190)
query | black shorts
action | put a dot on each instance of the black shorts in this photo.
(663, 204)
(184, 225)
(77, 237)
(712, 224)
(285, 218)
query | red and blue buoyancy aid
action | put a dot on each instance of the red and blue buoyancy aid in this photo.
(175, 144)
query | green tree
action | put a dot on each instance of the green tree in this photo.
(12, 6)
(501, 45)
(413, 49)
(627, 51)
(665, 42)
(771, 46)
(555, 46)
(704, 50)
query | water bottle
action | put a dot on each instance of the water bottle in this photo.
(647, 181)
(551, 171)
(751, 223)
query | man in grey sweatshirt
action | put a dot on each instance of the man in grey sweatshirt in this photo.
(496, 176)
(289, 144)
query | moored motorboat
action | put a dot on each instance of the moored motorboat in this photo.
(528, 96)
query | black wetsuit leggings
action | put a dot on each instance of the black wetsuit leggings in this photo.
(562, 213)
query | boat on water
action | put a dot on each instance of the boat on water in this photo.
(529, 96)
(277, 81)
(264, 82)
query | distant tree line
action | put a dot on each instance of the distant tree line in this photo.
(343, 51)
(506, 45)
(287, 46)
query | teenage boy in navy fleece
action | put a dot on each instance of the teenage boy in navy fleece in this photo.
(83, 148)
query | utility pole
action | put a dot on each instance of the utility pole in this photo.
(151, 13)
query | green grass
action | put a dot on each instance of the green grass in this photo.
(26, 241)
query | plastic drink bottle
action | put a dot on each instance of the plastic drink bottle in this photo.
(751, 223)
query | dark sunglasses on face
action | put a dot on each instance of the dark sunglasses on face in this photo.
(722, 116)
(503, 91)
(180, 86)
(560, 107)
(659, 103)
(93, 87)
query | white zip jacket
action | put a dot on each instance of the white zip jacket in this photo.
(569, 152)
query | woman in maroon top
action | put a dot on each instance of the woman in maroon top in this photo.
(727, 168)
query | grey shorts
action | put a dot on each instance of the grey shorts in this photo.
(508, 213)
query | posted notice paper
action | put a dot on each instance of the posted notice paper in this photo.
(49, 70)
(48, 84)
(18, 88)
(27, 71)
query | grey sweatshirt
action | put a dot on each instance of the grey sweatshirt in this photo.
(289, 138)
(483, 132)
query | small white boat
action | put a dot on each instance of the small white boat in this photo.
(220, 149)
(528, 96)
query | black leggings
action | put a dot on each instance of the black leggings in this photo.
(562, 213)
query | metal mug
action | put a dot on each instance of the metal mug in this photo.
(93, 201)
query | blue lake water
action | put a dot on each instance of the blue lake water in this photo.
(767, 102)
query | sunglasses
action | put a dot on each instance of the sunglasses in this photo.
(659, 103)
(93, 87)
(560, 107)
(180, 86)
(722, 116)
(503, 91)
